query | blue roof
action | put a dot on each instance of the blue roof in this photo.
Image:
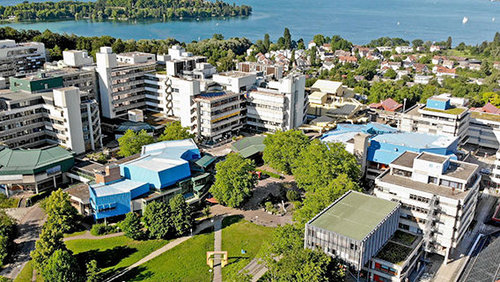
(118, 187)
(387, 143)
(178, 149)
(371, 128)
(415, 140)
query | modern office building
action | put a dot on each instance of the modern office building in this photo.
(33, 170)
(362, 231)
(281, 105)
(440, 115)
(438, 197)
(121, 81)
(180, 63)
(41, 111)
(219, 115)
(163, 170)
(76, 69)
(376, 145)
(20, 57)
(484, 128)
(173, 97)
(271, 71)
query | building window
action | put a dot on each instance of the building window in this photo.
(433, 180)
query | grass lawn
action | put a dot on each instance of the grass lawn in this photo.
(113, 254)
(185, 262)
(26, 274)
(238, 234)
(78, 233)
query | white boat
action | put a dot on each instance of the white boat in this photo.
(465, 20)
(492, 19)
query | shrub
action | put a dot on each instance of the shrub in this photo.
(292, 195)
(270, 208)
(102, 229)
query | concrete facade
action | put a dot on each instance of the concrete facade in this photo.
(20, 57)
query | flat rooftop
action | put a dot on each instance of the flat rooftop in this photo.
(119, 187)
(406, 159)
(416, 140)
(432, 158)
(424, 187)
(354, 215)
(486, 116)
(156, 164)
(236, 74)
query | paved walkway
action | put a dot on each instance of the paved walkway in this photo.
(256, 268)
(202, 226)
(459, 256)
(29, 226)
(88, 236)
(217, 248)
(259, 216)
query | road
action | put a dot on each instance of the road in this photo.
(28, 232)
(451, 271)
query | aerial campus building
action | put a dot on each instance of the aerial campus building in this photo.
(163, 170)
(438, 197)
(20, 57)
(376, 145)
(442, 114)
(33, 170)
(362, 231)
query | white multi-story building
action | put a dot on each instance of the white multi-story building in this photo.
(172, 96)
(20, 57)
(121, 81)
(178, 62)
(219, 115)
(236, 81)
(438, 195)
(56, 116)
(495, 173)
(437, 116)
(282, 105)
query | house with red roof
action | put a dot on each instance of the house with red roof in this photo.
(348, 59)
(387, 105)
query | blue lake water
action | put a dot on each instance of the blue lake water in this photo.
(356, 20)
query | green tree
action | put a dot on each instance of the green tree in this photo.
(448, 42)
(267, 43)
(234, 180)
(288, 39)
(131, 143)
(296, 263)
(157, 219)
(391, 74)
(7, 231)
(92, 272)
(61, 266)
(175, 131)
(316, 201)
(181, 215)
(60, 212)
(51, 240)
(417, 43)
(283, 148)
(320, 163)
(132, 227)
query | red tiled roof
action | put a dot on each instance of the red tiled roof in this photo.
(388, 105)
(488, 108)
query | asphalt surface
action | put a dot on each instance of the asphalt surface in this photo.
(28, 232)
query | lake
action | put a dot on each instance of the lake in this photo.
(356, 20)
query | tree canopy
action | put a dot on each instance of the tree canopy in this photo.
(7, 232)
(59, 211)
(287, 260)
(157, 220)
(234, 180)
(175, 131)
(132, 226)
(283, 148)
(131, 143)
(61, 266)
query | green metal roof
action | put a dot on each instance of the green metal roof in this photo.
(354, 215)
(19, 161)
(206, 160)
(249, 146)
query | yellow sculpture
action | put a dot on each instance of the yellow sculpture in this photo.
(211, 255)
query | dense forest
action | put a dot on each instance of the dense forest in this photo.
(122, 10)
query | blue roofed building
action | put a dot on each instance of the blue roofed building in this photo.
(162, 171)
(377, 145)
